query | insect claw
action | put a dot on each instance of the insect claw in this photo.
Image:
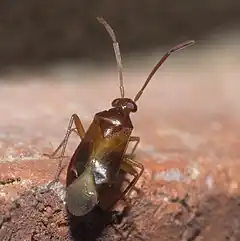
(50, 184)
(48, 155)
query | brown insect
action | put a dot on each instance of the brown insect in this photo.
(101, 153)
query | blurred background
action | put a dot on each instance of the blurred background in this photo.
(56, 59)
(34, 32)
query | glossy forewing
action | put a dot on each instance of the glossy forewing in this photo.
(81, 195)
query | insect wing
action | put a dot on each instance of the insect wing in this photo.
(81, 195)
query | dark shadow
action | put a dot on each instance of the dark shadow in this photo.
(91, 226)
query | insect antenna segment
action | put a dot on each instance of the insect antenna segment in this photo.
(119, 60)
(160, 62)
(116, 51)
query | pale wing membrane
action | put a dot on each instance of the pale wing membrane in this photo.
(81, 195)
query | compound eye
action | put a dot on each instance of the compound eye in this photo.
(115, 102)
(131, 106)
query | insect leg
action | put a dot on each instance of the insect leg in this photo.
(135, 139)
(129, 166)
(53, 155)
(79, 130)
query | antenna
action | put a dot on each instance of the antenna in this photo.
(161, 61)
(116, 51)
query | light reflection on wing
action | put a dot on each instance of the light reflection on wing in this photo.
(81, 195)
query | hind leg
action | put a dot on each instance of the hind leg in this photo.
(131, 167)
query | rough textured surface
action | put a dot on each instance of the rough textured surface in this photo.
(34, 217)
(41, 216)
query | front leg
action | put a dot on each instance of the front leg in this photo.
(135, 139)
(53, 154)
(80, 132)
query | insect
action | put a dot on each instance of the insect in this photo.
(101, 153)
